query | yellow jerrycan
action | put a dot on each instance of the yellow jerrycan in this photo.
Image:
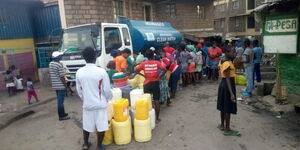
(121, 110)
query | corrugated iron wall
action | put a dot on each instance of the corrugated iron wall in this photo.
(46, 21)
(15, 22)
(22, 23)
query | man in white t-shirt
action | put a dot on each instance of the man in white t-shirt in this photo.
(93, 87)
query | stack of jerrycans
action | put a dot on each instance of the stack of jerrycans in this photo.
(121, 122)
(142, 123)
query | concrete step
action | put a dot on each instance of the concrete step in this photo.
(267, 69)
(268, 76)
(265, 87)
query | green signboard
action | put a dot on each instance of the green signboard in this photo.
(280, 34)
(276, 25)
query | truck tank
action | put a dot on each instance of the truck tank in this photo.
(151, 34)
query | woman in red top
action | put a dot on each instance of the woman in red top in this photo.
(152, 76)
(214, 54)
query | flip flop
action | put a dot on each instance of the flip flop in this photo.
(232, 133)
(220, 127)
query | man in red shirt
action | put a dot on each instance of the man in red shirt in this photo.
(168, 49)
(153, 71)
(214, 54)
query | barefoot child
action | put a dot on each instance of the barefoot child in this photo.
(226, 103)
(30, 91)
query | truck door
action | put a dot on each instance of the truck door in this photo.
(115, 37)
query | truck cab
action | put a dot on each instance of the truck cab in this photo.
(103, 37)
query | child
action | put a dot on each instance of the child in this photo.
(112, 70)
(191, 67)
(226, 103)
(30, 91)
(199, 63)
(10, 82)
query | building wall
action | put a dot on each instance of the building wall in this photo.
(241, 27)
(186, 14)
(15, 21)
(232, 14)
(87, 11)
(90, 11)
(21, 53)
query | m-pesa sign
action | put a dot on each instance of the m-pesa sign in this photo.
(280, 34)
(281, 25)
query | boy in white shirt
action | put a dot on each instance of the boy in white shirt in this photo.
(93, 87)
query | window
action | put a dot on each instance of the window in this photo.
(237, 22)
(251, 4)
(236, 4)
(200, 12)
(171, 10)
(119, 8)
(222, 23)
(126, 36)
(250, 22)
(147, 10)
(221, 8)
(112, 39)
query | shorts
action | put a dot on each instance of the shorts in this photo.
(153, 89)
(95, 120)
(198, 68)
(191, 68)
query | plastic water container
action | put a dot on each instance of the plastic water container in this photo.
(147, 96)
(120, 82)
(142, 130)
(110, 110)
(141, 109)
(152, 118)
(121, 110)
(122, 132)
(132, 114)
(117, 94)
(134, 95)
(108, 136)
(241, 80)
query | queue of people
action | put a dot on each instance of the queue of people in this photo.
(163, 71)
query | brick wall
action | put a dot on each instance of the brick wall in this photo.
(186, 14)
(88, 11)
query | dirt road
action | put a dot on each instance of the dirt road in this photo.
(189, 124)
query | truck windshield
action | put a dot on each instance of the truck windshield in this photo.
(76, 39)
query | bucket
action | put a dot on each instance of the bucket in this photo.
(120, 82)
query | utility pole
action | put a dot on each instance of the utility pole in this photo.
(226, 21)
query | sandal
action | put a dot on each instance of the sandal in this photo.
(169, 102)
(232, 133)
(220, 127)
(86, 147)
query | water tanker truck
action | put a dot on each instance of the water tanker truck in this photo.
(138, 36)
